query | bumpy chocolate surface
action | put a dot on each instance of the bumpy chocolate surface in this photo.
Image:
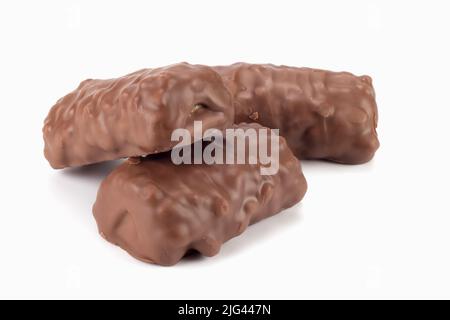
(322, 114)
(158, 211)
(133, 115)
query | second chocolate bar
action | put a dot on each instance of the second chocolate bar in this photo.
(158, 211)
(321, 114)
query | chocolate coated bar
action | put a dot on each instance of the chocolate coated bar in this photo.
(158, 211)
(133, 115)
(321, 114)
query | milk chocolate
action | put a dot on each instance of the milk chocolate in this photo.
(134, 115)
(321, 114)
(158, 211)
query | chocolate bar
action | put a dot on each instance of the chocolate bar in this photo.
(134, 115)
(321, 114)
(158, 211)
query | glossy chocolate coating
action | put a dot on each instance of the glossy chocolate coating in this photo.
(321, 114)
(134, 115)
(158, 211)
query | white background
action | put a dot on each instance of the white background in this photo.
(380, 230)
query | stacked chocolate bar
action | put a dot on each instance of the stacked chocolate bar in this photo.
(158, 209)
